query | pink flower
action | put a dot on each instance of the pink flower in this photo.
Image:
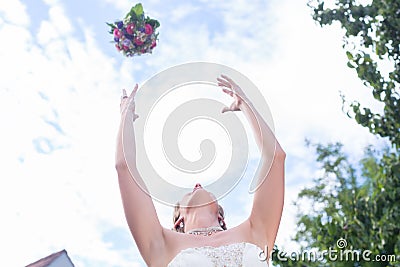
(153, 44)
(125, 47)
(117, 33)
(148, 29)
(130, 28)
(138, 41)
(117, 46)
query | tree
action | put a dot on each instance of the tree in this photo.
(353, 203)
(359, 202)
(372, 42)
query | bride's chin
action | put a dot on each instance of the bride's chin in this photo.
(200, 197)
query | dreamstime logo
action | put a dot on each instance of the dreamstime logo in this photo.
(183, 138)
(332, 254)
(341, 243)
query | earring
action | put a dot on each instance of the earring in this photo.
(221, 220)
(179, 224)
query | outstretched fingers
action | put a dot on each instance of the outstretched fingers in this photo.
(228, 89)
(229, 80)
(224, 83)
(229, 92)
(133, 93)
(226, 86)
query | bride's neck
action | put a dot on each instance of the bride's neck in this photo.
(200, 218)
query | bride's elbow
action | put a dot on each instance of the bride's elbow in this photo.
(120, 165)
(280, 153)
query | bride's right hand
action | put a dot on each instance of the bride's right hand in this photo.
(128, 103)
(233, 89)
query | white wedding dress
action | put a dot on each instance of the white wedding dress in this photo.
(232, 255)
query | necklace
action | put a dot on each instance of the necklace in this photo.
(205, 231)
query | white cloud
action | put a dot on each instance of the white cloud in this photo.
(58, 200)
(14, 12)
(182, 12)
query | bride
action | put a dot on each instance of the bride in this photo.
(199, 236)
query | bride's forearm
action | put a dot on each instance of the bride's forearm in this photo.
(125, 160)
(126, 139)
(264, 136)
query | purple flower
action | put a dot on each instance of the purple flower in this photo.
(129, 36)
(120, 24)
(126, 42)
(116, 39)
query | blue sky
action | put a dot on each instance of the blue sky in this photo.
(59, 111)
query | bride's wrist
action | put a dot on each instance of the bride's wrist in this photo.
(244, 103)
(128, 115)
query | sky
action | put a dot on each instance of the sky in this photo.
(60, 88)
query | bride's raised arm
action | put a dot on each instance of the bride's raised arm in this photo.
(139, 209)
(269, 196)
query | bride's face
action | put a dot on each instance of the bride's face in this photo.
(197, 204)
(198, 197)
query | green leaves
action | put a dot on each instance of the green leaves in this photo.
(372, 43)
(154, 23)
(135, 13)
(112, 26)
(355, 201)
(349, 55)
(137, 9)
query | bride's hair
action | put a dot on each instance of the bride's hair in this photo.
(176, 215)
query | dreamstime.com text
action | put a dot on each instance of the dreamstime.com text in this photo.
(340, 253)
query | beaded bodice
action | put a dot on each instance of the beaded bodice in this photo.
(232, 255)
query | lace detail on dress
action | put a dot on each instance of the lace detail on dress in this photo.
(232, 255)
(227, 256)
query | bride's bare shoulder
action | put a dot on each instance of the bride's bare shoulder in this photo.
(245, 232)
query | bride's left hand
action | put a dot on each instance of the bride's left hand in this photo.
(128, 103)
(231, 88)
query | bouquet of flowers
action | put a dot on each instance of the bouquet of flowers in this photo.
(136, 33)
